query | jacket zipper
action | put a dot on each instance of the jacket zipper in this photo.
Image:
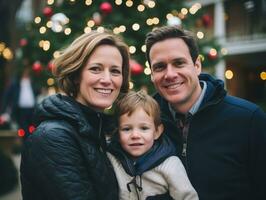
(100, 131)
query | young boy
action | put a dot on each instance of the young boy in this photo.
(144, 160)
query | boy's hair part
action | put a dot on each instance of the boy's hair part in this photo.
(133, 100)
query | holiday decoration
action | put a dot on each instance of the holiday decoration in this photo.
(63, 21)
(23, 42)
(59, 20)
(50, 66)
(135, 67)
(47, 11)
(37, 67)
(97, 18)
(106, 8)
(206, 20)
(174, 21)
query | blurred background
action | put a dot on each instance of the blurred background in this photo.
(231, 36)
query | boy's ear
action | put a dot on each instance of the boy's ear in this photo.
(159, 131)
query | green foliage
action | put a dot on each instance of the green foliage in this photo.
(79, 14)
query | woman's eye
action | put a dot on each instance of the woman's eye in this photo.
(95, 69)
(116, 72)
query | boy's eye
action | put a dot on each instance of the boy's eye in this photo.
(144, 128)
(125, 129)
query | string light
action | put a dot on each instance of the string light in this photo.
(224, 51)
(229, 74)
(50, 81)
(118, 2)
(135, 26)
(151, 4)
(184, 11)
(49, 24)
(129, 3)
(87, 29)
(141, 8)
(132, 49)
(50, 2)
(131, 85)
(67, 31)
(147, 71)
(263, 76)
(56, 54)
(88, 2)
(200, 35)
(8, 54)
(90, 23)
(143, 48)
(37, 20)
(42, 30)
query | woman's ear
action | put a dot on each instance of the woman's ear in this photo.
(159, 131)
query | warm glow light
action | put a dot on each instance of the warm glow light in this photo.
(263, 76)
(147, 64)
(87, 29)
(46, 45)
(131, 85)
(50, 81)
(7, 54)
(143, 48)
(49, 24)
(56, 54)
(129, 3)
(88, 2)
(229, 74)
(200, 35)
(116, 30)
(151, 4)
(169, 16)
(201, 57)
(118, 2)
(184, 11)
(149, 21)
(132, 49)
(37, 20)
(135, 26)
(147, 71)
(67, 31)
(141, 8)
(224, 51)
(2, 46)
(42, 30)
(50, 2)
(213, 52)
(100, 29)
(90, 23)
(122, 28)
(155, 20)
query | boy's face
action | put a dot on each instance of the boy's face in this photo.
(137, 132)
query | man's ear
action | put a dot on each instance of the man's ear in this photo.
(159, 131)
(198, 65)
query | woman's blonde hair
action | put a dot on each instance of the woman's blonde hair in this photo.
(67, 67)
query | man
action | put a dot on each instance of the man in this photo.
(220, 139)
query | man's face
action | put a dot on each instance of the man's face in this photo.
(174, 74)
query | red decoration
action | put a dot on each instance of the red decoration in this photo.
(31, 128)
(212, 56)
(21, 132)
(106, 8)
(37, 67)
(23, 42)
(50, 66)
(135, 67)
(206, 20)
(47, 11)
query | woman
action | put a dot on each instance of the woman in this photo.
(65, 157)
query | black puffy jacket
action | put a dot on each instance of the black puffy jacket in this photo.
(64, 159)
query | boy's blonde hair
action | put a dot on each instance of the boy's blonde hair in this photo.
(133, 100)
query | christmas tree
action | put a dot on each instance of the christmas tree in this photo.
(61, 21)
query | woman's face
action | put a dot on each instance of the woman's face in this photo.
(101, 78)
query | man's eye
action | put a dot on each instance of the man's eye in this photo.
(158, 68)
